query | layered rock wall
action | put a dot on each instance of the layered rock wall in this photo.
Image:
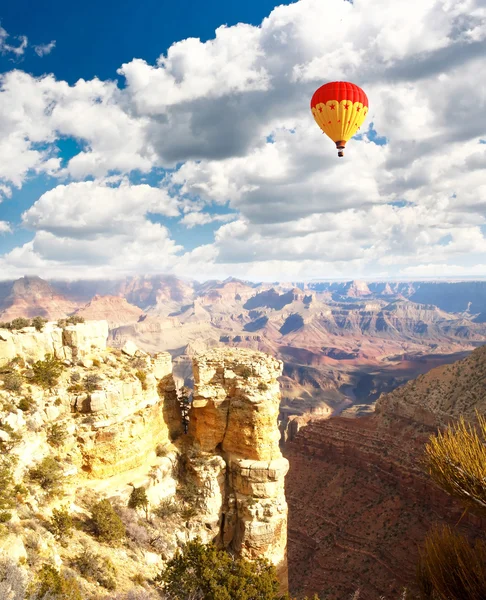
(234, 415)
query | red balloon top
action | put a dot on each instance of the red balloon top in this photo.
(339, 90)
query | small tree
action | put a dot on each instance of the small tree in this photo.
(48, 474)
(52, 585)
(61, 523)
(207, 573)
(107, 524)
(142, 377)
(138, 499)
(38, 323)
(47, 372)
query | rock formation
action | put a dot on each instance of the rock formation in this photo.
(234, 415)
(122, 428)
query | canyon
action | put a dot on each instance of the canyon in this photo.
(360, 502)
(342, 343)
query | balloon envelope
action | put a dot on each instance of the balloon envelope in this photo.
(339, 109)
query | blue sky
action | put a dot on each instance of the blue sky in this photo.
(167, 137)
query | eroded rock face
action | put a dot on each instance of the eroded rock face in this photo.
(74, 342)
(234, 415)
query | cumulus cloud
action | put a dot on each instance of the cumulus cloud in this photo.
(17, 49)
(230, 119)
(5, 227)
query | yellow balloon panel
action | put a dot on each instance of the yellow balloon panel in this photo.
(340, 120)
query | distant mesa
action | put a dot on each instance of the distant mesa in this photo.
(292, 323)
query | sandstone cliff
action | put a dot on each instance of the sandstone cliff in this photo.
(360, 503)
(122, 429)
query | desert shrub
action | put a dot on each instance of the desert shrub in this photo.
(456, 460)
(52, 585)
(61, 523)
(7, 498)
(13, 382)
(13, 580)
(14, 437)
(48, 474)
(246, 372)
(91, 383)
(38, 323)
(97, 568)
(142, 377)
(96, 363)
(74, 320)
(26, 403)
(107, 525)
(57, 435)
(262, 386)
(46, 372)
(450, 567)
(208, 573)
(75, 377)
(20, 323)
(166, 509)
(138, 499)
(139, 363)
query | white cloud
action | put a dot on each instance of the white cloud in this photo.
(44, 49)
(231, 116)
(5, 227)
(6, 48)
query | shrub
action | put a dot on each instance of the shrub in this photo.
(26, 403)
(61, 523)
(263, 387)
(95, 567)
(13, 382)
(138, 499)
(207, 573)
(38, 323)
(166, 509)
(107, 525)
(246, 372)
(19, 323)
(13, 581)
(96, 363)
(47, 372)
(75, 377)
(456, 460)
(48, 474)
(74, 320)
(57, 435)
(450, 567)
(142, 376)
(161, 450)
(52, 585)
(7, 499)
(91, 383)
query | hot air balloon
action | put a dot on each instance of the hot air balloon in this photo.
(339, 109)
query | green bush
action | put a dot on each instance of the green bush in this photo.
(7, 499)
(166, 509)
(57, 435)
(13, 382)
(61, 523)
(47, 372)
(246, 372)
(138, 499)
(262, 387)
(107, 525)
(207, 573)
(96, 568)
(38, 323)
(48, 474)
(26, 403)
(52, 585)
(91, 383)
(20, 323)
